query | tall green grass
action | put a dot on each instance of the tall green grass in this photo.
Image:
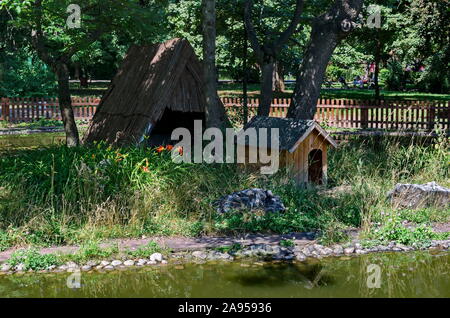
(58, 195)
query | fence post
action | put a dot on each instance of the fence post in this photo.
(431, 116)
(5, 109)
(2, 109)
(364, 114)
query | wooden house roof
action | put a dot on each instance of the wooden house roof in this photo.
(151, 79)
(291, 132)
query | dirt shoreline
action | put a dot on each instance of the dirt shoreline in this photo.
(181, 243)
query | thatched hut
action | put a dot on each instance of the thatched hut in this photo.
(158, 88)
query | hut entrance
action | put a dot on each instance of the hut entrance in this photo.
(315, 174)
(160, 134)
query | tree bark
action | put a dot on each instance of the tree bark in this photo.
(266, 87)
(245, 76)
(278, 78)
(327, 31)
(266, 53)
(215, 112)
(377, 69)
(65, 105)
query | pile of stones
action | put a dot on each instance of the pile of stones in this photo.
(249, 200)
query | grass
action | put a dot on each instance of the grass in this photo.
(147, 250)
(32, 259)
(235, 90)
(56, 195)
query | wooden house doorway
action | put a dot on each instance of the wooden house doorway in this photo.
(315, 172)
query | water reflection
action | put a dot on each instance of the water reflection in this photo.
(419, 274)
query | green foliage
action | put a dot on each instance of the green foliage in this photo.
(4, 241)
(32, 259)
(91, 250)
(146, 250)
(287, 243)
(231, 249)
(91, 193)
(393, 230)
(22, 74)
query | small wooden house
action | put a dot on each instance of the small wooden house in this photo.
(302, 146)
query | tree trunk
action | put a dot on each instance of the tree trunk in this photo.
(65, 105)
(245, 77)
(311, 73)
(327, 31)
(215, 112)
(377, 69)
(266, 53)
(266, 93)
(278, 78)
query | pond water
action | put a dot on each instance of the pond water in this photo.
(418, 274)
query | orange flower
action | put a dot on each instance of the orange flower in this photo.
(160, 149)
(145, 169)
(169, 147)
(93, 156)
(180, 150)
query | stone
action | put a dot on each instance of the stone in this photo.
(249, 200)
(327, 251)
(360, 252)
(116, 263)
(5, 268)
(349, 250)
(300, 256)
(105, 263)
(413, 196)
(92, 263)
(51, 267)
(20, 267)
(128, 262)
(99, 267)
(86, 268)
(200, 254)
(156, 257)
(164, 262)
(71, 265)
(152, 262)
(108, 267)
(338, 250)
(141, 262)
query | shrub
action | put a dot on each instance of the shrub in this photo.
(32, 259)
(146, 251)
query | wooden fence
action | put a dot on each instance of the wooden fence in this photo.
(339, 113)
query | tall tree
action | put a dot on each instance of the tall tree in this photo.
(215, 111)
(268, 51)
(327, 31)
(58, 30)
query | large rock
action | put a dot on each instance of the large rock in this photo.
(414, 196)
(250, 199)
